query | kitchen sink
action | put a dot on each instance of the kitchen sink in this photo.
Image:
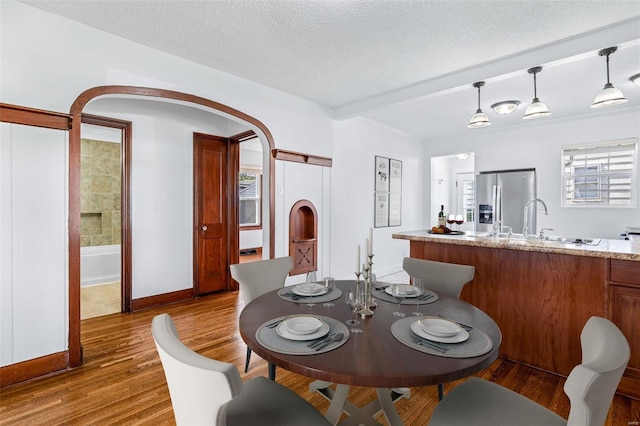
(536, 240)
(574, 240)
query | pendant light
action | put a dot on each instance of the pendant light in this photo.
(635, 79)
(479, 119)
(537, 109)
(609, 95)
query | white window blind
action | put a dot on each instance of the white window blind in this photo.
(603, 174)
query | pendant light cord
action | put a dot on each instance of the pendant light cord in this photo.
(535, 91)
(608, 69)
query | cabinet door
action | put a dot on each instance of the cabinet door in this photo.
(624, 306)
(304, 255)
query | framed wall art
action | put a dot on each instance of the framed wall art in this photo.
(381, 209)
(387, 192)
(382, 174)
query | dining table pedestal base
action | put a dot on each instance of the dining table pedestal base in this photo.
(359, 416)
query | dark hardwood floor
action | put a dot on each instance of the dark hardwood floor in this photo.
(122, 382)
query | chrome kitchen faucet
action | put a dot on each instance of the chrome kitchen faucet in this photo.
(525, 228)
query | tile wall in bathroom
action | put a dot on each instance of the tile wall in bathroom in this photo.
(100, 193)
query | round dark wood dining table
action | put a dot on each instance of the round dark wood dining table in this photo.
(374, 358)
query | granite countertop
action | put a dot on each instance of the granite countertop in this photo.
(609, 249)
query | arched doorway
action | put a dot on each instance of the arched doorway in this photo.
(75, 351)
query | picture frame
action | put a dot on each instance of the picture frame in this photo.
(381, 215)
(382, 174)
(395, 209)
(387, 192)
(395, 176)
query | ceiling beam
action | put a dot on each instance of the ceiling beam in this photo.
(568, 50)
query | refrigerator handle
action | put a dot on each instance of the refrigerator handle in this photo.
(497, 202)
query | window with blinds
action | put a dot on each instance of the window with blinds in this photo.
(250, 188)
(603, 174)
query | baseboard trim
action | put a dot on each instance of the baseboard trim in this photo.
(34, 368)
(161, 299)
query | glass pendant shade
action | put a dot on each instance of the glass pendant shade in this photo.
(635, 79)
(609, 95)
(537, 109)
(478, 120)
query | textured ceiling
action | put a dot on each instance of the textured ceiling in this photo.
(388, 60)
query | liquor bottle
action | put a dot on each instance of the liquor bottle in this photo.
(442, 217)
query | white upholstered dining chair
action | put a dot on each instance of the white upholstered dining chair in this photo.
(443, 278)
(590, 388)
(258, 278)
(209, 392)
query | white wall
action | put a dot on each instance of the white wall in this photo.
(33, 242)
(538, 144)
(46, 62)
(161, 193)
(356, 143)
(294, 182)
(35, 73)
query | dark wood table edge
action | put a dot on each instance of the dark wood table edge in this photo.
(283, 361)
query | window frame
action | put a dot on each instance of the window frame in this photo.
(605, 175)
(257, 199)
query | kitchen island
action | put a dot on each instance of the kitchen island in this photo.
(541, 293)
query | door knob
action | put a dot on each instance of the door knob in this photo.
(204, 228)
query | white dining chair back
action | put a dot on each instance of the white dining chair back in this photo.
(443, 278)
(198, 386)
(590, 387)
(592, 384)
(263, 276)
(205, 391)
(258, 278)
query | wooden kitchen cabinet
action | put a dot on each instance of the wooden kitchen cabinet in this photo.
(624, 311)
(542, 299)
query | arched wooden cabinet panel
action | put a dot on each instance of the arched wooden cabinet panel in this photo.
(303, 237)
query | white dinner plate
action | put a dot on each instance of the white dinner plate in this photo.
(409, 290)
(282, 331)
(440, 327)
(308, 289)
(302, 324)
(459, 337)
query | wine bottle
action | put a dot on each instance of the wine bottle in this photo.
(442, 217)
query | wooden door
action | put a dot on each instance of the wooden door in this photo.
(215, 177)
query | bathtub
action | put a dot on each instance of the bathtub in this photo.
(99, 265)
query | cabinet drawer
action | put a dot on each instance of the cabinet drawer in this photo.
(625, 271)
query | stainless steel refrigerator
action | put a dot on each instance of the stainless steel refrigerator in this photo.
(502, 195)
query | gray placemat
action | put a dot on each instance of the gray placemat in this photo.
(286, 294)
(428, 296)
(271, 340)
(477, 344)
